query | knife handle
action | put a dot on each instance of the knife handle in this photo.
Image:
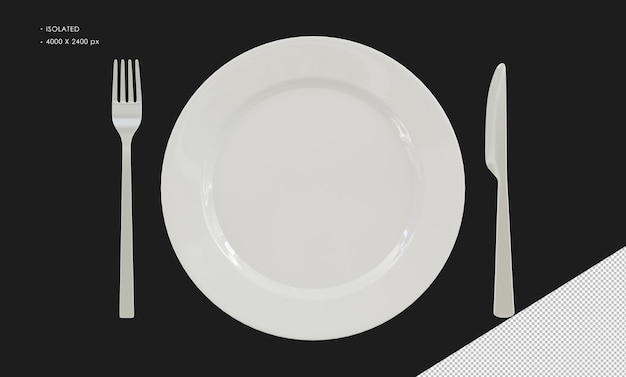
(503, 297)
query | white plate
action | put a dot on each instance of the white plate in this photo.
(312, 188)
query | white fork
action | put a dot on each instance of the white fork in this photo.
(126, 115)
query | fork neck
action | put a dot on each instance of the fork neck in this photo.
(127, 139)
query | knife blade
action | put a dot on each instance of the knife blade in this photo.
(496, 161)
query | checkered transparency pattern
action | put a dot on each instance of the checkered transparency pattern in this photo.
(577, 330)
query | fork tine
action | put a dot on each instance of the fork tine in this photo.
(122, 81)
(114, 96)
(137, 81)
(131, 84)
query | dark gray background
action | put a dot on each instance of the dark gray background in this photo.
(566, 156)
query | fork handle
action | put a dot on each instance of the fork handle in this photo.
(127, 297)
(503, 300)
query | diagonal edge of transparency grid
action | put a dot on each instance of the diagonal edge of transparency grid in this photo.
(577, 330)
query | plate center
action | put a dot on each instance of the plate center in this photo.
(313, 186)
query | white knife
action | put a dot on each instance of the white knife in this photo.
(496, 159)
